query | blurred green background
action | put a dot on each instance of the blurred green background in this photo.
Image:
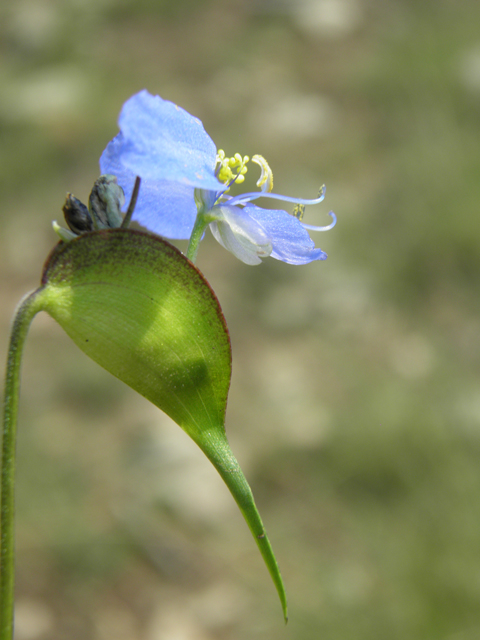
(355, 405)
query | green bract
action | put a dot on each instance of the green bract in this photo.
(140, 309)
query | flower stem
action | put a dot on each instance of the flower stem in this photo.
(131, 206)
(201, 223)
(24, 316)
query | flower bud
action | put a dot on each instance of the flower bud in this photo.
(76, 215)
(105, 203)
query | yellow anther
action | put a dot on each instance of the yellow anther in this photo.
(298, 211)
(265, 182)
(231, 169)
(225, 174)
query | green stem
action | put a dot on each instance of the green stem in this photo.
(24, 316)
(201, 223)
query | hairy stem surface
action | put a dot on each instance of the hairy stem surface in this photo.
(23, 317)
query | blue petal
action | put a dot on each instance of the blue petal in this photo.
(164, 207)
(290, 241)
(161, 141)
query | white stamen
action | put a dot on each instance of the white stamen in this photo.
(312, 227)
(248, 197)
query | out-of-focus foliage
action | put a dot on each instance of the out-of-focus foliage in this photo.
(364, 368)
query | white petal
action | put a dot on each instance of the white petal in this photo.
(237, 232)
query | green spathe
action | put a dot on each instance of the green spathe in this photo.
(140, 309)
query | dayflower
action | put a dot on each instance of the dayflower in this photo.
(185, 185)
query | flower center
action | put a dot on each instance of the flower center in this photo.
(232, 170)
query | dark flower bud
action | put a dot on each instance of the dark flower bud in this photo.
(76, 215)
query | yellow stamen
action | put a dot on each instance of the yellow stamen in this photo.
(265, 182)
(231, 169)
(298, 211)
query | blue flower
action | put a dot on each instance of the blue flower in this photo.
(185, 184)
